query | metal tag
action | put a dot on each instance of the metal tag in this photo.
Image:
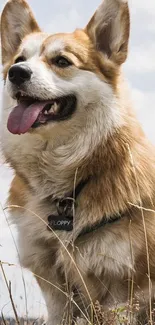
(60, 222)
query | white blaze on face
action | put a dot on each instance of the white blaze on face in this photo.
(31, 45)
(56, 47)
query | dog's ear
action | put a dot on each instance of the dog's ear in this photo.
(109, 29)
(17, 21)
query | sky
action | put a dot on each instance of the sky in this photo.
(64, 16)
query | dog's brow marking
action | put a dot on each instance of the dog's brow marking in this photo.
(32, 45)
(56, 46)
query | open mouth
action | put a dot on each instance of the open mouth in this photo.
(32, 112)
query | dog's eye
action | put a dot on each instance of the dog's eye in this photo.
(20, 59)
(61, 62)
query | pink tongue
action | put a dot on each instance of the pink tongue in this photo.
(23, 117)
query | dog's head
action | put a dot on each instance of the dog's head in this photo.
(63, 77)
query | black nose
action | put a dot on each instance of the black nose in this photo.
(18, 74)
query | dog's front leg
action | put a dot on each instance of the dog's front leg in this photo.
(55, 301)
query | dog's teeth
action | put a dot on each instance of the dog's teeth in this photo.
(53, 110)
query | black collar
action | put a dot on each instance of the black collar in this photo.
(65, 211)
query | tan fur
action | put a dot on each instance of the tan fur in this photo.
(122, 169)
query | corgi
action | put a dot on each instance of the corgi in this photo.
(83, 192)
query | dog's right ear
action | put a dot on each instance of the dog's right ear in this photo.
(17, 21)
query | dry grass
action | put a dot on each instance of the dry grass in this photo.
(11, 321)
(119, 316)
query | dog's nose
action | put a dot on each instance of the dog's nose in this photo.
(18, 74)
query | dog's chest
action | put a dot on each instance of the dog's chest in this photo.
(106, 250)
(102, 254)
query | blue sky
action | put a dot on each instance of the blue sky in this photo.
(66, 15)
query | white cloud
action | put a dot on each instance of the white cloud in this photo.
(151, 26)
(141, 59)
(146, 6)
(64, 23)
(144, 103)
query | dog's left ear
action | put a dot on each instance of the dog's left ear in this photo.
(17, 21)
(109, 29)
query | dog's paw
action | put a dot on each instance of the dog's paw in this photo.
(81, 321)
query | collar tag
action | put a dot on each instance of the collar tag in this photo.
(60, 222)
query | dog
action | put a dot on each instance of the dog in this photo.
(83, 191)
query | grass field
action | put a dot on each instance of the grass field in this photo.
(10, 321)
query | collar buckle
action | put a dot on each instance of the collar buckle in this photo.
(66, 206)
